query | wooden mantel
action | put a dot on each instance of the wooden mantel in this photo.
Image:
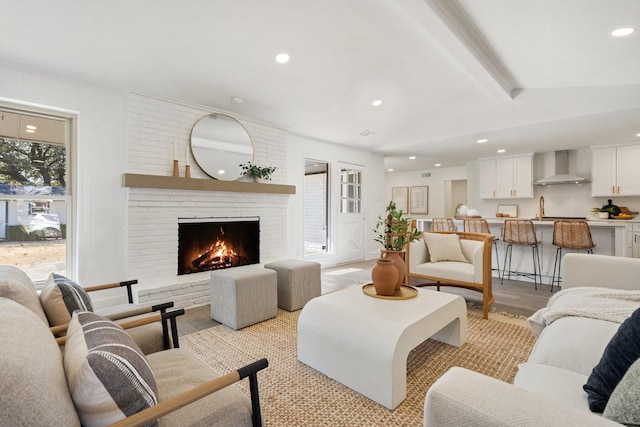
(178, 183)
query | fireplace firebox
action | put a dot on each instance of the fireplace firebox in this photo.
(206, 244)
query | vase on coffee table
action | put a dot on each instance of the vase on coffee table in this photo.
(385, 276)
(398, 261)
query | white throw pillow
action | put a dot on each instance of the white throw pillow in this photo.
(444, 247)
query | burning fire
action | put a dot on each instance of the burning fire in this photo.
(217, 256)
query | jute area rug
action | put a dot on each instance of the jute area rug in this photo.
(292, 394)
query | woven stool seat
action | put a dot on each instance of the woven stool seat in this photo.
(480, 225)
(569, 234)
(521, 232)
(443, 224)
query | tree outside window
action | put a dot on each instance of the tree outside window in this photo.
(33, 199)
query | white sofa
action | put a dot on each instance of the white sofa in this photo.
(547, 390)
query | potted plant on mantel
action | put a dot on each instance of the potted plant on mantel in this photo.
(394, 233)
(256, 172)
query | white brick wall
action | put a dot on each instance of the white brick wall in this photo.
(152, 214)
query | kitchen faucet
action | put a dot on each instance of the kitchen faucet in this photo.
(541, 207)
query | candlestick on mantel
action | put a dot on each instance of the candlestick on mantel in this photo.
(187, 162)
(176, 171)
(187, 171)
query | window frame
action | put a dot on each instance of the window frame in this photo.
(70, 119)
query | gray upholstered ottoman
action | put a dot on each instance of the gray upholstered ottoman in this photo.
(243, 296)
(298, 282)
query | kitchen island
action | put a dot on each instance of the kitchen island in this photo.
(611, 237)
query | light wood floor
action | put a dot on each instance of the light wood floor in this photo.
(514, 296)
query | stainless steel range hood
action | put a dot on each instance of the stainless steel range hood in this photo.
(561, 175)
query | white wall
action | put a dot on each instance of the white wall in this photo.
(437, 187)
(301, 148)
(120, 132)
(101, 160)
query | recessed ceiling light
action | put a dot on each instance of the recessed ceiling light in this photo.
(32, 127)
(481, 141)
(638, 134)
(282, 58)
(376, 102)
(30, 131)
(502, 150)
(389, 170)
(438, 165)
(412, 157)
(621, 32)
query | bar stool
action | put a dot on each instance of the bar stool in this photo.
(521, 232)
(569, 234)
(443, 224)
(480, 225)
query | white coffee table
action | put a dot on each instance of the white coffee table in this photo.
(363, 342)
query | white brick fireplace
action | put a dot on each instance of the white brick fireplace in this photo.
(152, 214)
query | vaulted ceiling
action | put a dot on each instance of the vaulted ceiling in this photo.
(528, 75)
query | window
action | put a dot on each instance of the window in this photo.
(34, 194)
(350, 191)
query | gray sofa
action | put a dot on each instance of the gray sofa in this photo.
(547, 389)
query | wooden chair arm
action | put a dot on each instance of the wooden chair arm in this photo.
(140, 321)
(169, 326)
(59, 330)
(127, 283)
(165, 407)
(110, 285)
(137, 311)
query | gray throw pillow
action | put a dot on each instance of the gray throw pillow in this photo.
(60, 297)
(623, 406)
(108, 376)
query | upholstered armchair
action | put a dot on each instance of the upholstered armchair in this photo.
(461, 259)
(61, 296)
(101, 377)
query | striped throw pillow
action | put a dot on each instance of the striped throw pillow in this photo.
(107, 373)
(60, 297)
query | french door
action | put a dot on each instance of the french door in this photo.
(350, 218)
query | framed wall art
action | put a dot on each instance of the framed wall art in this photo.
(400, 196)
(419, 199)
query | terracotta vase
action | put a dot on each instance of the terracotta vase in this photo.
(384, 275)
(398, 261)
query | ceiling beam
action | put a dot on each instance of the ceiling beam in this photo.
(446, 22)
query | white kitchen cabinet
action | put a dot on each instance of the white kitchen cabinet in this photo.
(635, 240)
(615, 171)
(507, 177)
(488, 179)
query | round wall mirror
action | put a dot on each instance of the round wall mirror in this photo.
(219, 144)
